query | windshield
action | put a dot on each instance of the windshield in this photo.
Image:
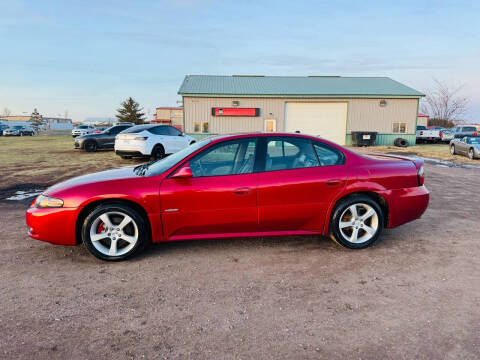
(17, 127)
(473, 140)
(160, 166)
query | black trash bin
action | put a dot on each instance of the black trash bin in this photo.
(364, 138)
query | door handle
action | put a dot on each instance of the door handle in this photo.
(242, 191)
(333, 182)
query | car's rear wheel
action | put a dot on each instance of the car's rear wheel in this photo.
(471, 154)
(114, 232)
(452, 149)
(357, 222)
(158, 152)
(90, 146)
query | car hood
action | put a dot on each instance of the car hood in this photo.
(107, 175)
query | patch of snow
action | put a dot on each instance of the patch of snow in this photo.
(22, 195)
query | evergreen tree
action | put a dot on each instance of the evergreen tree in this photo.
(131, 112)
(36, 120)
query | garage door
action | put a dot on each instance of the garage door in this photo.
(329, 120)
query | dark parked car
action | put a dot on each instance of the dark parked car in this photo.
(103, 140)
(18, 130)
(460, 132)
(3, 127)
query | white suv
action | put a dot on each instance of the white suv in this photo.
(151, 141)
(82, 130)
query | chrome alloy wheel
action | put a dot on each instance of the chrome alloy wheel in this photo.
(114, 233)
(358, 223)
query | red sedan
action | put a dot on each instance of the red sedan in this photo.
(234, 186)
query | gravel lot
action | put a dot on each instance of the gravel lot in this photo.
(416, 294)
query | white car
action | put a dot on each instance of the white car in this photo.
(155, 141)
(82, 130)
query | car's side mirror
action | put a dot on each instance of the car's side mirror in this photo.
(184, 173)
(181, 134)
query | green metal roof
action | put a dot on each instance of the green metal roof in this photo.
(294, 86)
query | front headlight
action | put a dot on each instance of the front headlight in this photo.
(43, 201)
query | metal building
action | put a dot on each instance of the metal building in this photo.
(329, 106)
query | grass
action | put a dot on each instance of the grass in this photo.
(46, 159)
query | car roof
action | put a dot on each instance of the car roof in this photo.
(219, 138)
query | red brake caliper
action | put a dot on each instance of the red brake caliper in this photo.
(101, 227)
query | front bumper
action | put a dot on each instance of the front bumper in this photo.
(54, 225)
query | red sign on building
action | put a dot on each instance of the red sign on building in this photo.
(235, 111)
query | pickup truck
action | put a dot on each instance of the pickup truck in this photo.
(425, 135)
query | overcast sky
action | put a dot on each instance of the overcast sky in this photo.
(87, 56)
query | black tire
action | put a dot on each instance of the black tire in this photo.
(340, 210)
(400, 142)
(90, 146)
(471, 154)
(142, 231)
(158, 152)
(452, 149)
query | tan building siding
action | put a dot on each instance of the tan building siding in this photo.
(362, 114)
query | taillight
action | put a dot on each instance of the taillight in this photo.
(441, 135)
(421, 176)
(421, 133)
(141, 138)
(475, 134)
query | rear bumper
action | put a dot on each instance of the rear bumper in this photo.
(406, 204)
(55, 225)
(133, 153)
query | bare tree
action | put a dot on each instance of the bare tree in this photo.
(444, 102)
(6, 112)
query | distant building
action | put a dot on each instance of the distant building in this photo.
(52, 123)
(333, 107)
(422, 119)
(169, 115)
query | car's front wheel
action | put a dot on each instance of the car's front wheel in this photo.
(90, 146)
(357, 222)
(452, 149)
(114, 232)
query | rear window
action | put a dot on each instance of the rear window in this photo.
(421, 127)
(136, 129)
(469, 128)
(83, 127)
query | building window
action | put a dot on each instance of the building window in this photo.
(200, 127)
(399, 127)
(270, 125)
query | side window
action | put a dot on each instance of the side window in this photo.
(231, 158)
(117, 130)
(327, 155)
(291, 153)
(173, 131)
